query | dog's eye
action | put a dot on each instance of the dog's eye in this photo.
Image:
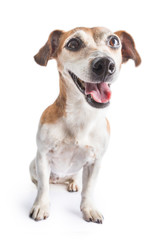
(74, 44)
(113, 42)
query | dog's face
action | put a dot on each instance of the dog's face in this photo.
(90, 58)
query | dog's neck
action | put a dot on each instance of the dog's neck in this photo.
(77, 111)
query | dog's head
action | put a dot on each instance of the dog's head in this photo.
(89, 58)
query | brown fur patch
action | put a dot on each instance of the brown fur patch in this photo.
(57, 109)
(69, 33)
(108, 126)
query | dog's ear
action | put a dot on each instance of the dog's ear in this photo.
(128, 48)
(49, 50)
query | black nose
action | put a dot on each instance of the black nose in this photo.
(103, 66)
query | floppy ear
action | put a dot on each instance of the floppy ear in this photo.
(128, 48)
(49, 50)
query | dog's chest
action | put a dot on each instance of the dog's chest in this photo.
(68, 151)
(68, 157)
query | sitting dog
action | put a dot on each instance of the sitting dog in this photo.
(73, 132)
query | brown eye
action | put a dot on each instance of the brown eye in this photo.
(74, 44)
(113, 42)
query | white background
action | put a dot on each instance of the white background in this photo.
(130, 189)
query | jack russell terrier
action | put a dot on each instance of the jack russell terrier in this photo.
(73, 132)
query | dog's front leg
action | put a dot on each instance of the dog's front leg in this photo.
(90, 213)
(40, 209)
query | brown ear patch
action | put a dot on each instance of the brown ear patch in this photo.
(128, 48)
(43, 55)
(49, 50)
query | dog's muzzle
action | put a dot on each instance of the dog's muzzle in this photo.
(97, 92)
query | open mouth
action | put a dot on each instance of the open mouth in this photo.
(96, 94)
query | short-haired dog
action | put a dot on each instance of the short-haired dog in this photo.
(73, 132)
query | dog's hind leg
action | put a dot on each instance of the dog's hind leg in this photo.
(73, 183)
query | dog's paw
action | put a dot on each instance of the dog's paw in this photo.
(92, 215)
(39, 211)
(72, 187)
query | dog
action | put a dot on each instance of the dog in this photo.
(73, 132)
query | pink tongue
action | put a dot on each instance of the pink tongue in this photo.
(100, 92)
